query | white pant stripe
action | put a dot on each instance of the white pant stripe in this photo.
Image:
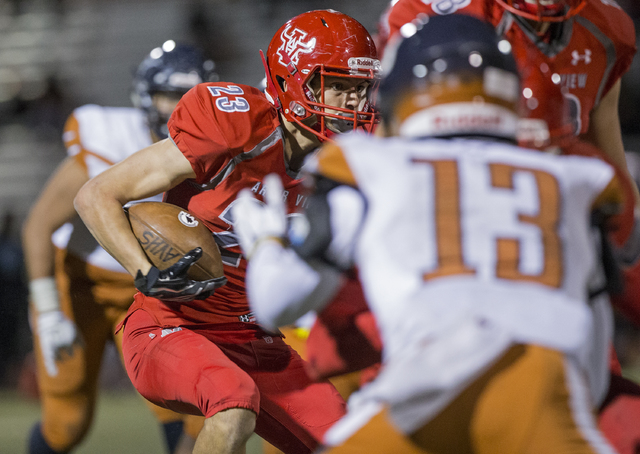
(580, 403)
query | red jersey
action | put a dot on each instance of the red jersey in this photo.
(588, 53)
(232, 137)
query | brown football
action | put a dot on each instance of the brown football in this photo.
(167, 232)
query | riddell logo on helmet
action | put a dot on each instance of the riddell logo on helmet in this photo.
(293, 45)
(358, 63)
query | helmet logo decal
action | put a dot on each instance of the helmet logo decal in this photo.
(444, 7)
(293, 45)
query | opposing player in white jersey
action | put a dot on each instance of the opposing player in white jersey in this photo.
(79, 293)
(476, 257)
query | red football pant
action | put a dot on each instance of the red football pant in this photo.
(619, 415)
(204, 371)
(345, 336)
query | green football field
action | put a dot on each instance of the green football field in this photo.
(122, 425)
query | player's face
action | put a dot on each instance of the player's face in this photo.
(345, 92)
(166, 102)
(342, 92)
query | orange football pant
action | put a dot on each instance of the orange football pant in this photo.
(96, 300)
(526, 403)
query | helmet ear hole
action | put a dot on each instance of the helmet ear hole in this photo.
(281, 83)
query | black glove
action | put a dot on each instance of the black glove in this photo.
(173, 284)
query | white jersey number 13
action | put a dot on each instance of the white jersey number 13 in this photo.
(448, 226)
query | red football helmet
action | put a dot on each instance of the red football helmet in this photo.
(544, 10)
(322, 44)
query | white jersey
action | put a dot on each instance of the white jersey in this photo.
(99, 137)
(466, 248)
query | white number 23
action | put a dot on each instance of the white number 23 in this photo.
(235, 104)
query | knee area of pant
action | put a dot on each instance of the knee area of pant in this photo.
(237, 385)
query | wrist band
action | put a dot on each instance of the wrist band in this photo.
(44, 294)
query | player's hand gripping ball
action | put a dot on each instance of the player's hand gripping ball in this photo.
(186, 258)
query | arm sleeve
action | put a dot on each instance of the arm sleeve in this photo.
(72, 142)
(333, 221)
(615, 203)
(194, 128)
(215, 123)
(622, 32)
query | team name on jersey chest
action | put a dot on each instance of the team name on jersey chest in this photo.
(573, 81)
(299, 202)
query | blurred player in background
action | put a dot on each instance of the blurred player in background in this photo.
(206, 354)
(584, 45)
(79, 293)
(476, 257)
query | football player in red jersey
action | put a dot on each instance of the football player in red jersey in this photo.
(187, 347)
(586, 45)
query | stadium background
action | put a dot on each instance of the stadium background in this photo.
(56, 55)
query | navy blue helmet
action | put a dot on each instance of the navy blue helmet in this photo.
(171, 68)
(450, 76)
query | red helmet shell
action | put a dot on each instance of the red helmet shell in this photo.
(544, 10)
(325, 43)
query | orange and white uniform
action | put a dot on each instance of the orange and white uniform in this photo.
(99, 137)
(94, 290)
(476, 259)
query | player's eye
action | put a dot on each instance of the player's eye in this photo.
(362, 88)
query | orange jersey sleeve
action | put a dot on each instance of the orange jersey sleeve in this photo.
(73, 143)
(332, 164)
